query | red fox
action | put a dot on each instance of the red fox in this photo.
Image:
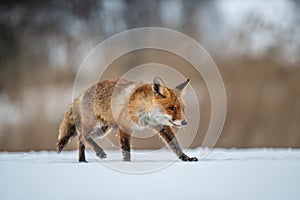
(127, 106)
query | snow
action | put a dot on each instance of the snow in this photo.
(223, 174)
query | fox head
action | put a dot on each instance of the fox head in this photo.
(168, 103)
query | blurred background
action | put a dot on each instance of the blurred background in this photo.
(255, 44)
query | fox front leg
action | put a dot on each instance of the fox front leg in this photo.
(167, 133)
(125, 145)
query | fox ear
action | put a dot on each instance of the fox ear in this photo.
(159, 87)
(182, 86)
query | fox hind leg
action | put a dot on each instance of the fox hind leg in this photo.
(70, 133)
(89, 132)
(99, 151)
(81, 150)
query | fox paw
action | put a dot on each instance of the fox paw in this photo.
(127, 159)
(101, 155)
(184, 157)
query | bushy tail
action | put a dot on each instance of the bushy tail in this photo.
(67, 130)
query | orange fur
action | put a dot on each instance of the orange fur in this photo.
(127, 105)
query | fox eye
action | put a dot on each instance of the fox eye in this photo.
(172, 108)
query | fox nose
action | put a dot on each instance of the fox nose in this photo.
(184, 122)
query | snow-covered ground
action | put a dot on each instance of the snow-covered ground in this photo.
(224, 174)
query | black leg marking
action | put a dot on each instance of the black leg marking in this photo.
(167, 133)
(81, 149)
(63, 141)
(125, 145)
(184, 157)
